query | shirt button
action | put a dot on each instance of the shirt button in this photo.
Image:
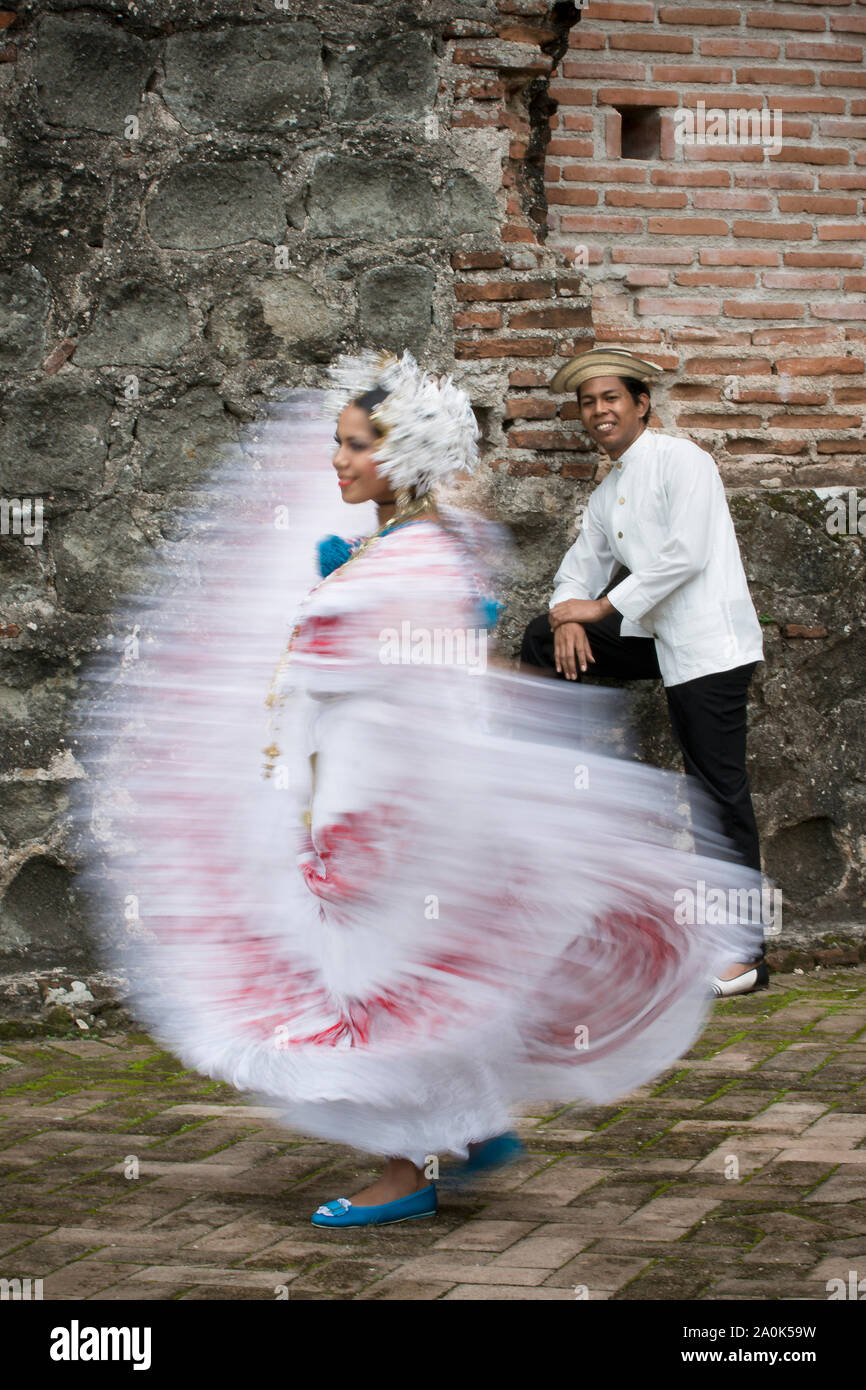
(619, 535)
(622, 499)
(619, 465)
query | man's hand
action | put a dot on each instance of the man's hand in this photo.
(580, 610)
(571, 649)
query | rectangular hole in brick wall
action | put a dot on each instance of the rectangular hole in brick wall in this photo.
(641, 134)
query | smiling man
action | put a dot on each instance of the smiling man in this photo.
(683, 613)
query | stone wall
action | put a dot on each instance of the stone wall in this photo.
(203, 202)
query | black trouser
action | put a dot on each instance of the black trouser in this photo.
(708, 716)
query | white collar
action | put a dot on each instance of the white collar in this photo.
(637, 450)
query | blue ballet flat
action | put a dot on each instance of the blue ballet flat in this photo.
(342, 1212)
(497, 1152)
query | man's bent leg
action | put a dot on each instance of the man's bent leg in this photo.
(627, 658)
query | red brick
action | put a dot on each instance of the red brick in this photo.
(755, 309)
(795, 130)
(801, 280)
(635, 96)
(752, 154)
(843, 130)
(795, 333)
(525, 33)
(558, 316)
(835, 77)
(692, 178)
(491, 90)
(629, 14)
(848, 23)
(734, 279)
(524, 376)
(786, 231)
(518, 149)
(812, 154)
(585, 41)
(494, 54)
(572, 197)
(775, 178)
(802, 102)
(640, 279)
(504, 347)
(666, 72)
(505, 289)
(815, 203)
(572, 120)
(602, 173)
(724, 366)
(765, 446)
(687, 226)
(581, 149)
(856, 284)
(521, 468)
(777, 76)
(734, 419)
(838, 232)
(651, 255)
(529, 408)
(478, 318)
(840, 446)
(818, 366)
(848, 259)
(745, 202)
(839, 309)
(597, 70)
(677, 308)
(694, 14)
(786, 397)
(595, 222)
(575, 96)
(477, 260)
(825, 52)
(652, 43)
(858, 108)
(856, 395)
(545, 439)
(738, 255)
(738, 100)
(628, 198)
(740, 48)
(790, 19)
(815, 422)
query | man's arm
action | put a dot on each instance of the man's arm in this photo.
(587, 567)
(693, 482)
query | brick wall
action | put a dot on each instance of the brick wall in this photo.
(739, 268)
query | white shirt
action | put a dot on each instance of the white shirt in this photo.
(662, 512)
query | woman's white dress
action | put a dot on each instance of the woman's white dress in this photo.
(349, 864)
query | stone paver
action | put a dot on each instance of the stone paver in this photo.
(739, 1173)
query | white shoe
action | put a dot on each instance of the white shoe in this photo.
(747, 983)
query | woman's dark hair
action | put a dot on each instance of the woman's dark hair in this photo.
(368, 402)
(636, 389)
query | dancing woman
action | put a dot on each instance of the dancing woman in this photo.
(469, 919)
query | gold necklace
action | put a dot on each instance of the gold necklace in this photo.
(406, 511)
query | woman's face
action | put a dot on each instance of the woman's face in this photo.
(357, 441)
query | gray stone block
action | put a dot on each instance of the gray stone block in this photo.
(182, 442)
(24, 304)
(53, 435)
(246, 78)
(280, 313)
(385, 80)
(201, 206)
(370, 199)
(89, 75)
(471, 206)
(396, 306)
(135, 325)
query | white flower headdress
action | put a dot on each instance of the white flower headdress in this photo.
(429, 429)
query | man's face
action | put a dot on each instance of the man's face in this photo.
(609, 415)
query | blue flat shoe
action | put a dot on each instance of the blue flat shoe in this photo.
(342, 1212)
(497, 1152)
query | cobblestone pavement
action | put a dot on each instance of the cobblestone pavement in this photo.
(740, 1173)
